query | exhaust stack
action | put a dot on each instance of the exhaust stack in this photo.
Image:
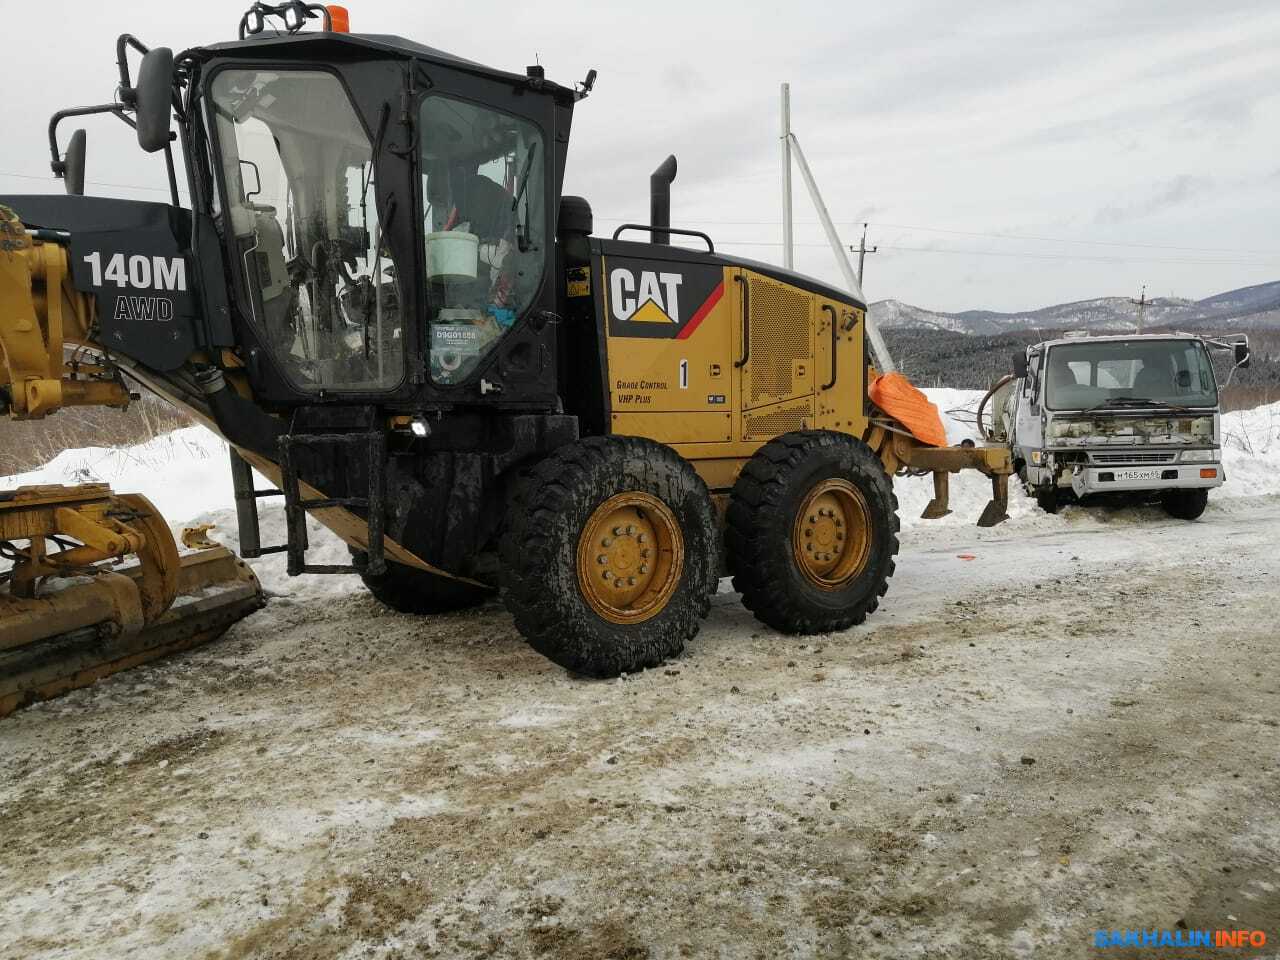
(660, 198)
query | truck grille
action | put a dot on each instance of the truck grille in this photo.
(1134, 456)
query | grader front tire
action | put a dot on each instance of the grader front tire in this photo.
(609, 557)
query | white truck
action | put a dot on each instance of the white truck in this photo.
(1131, 415)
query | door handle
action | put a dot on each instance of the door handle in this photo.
(746, 322)
(835, 339)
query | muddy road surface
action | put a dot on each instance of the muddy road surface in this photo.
(1037, 736)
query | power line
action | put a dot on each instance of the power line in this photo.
(1077, 258)
(976, 233)
(97, 183)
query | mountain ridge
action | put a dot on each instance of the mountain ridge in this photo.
(1257, 305)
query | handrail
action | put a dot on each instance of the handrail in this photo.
(835, 340)
(711, 247)
(746, 321)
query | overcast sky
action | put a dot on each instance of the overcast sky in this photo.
(1149, 129)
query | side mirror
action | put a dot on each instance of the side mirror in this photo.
(1020, 366)
(154, 99)
(73, 165)
(1242, 354)
(257, 180)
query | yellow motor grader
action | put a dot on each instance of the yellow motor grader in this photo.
(379, 297)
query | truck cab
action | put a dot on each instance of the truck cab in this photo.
(1130, 415)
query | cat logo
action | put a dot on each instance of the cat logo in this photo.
(659, 299)
(654, 299)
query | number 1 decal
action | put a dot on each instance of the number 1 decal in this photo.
(684, 374)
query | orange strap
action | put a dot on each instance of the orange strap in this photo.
(894, 394)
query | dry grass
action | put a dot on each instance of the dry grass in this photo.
(27, 445)
(1248, 396)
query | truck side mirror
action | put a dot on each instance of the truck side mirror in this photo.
(1020, 366)
(1242, 354)
(154, 98)
(73, 165)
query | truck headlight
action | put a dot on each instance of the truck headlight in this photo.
(1199, 456)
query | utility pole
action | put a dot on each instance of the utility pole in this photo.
(788, 245)
(863, 251)
(1141, 304)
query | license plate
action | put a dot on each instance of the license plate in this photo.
(1137, 474)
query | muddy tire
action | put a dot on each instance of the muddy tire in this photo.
(609, 558)
(812, 532)
(410, 590)
(1185, 504)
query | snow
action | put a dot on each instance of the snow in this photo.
(185, 475)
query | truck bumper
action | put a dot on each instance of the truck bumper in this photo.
(1088, 480)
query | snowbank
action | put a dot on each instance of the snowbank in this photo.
(185, 475)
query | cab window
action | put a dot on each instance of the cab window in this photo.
(484, 226)
(317, 278)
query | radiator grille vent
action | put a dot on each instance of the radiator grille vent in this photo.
(780, 335)
(796, 416)
(1135, 457)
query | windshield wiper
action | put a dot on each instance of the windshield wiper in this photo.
(1128, 402)
(524, 176)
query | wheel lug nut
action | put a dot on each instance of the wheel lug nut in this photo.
(617, 584)
(606, 542)
(617, 531)
(644, 568)
(631, 581)
(644, 553)
(812, 518)
(642, 538)
(808, 533)
(630, 529)
(809, 547)
(839, 523)
(607, 575)
(602, 559)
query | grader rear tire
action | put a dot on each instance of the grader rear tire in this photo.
(609, 556)
(812, 530)
(410, 590)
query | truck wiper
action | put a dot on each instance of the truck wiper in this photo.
(1123, 402)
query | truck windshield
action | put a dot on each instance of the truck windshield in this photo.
(1121, 372)
(484, 212)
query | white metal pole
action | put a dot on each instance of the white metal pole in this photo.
(788, 245)
(884, 361)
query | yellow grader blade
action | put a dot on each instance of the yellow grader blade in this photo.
(76, 614)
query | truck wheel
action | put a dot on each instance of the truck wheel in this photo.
(410, 590)
(1047, 500)
(812, 530)
(1185, 504)
(609, 557)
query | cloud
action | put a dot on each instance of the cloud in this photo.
(1170, 193)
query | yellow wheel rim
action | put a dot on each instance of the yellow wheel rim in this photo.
(831, 539)
(630, 557)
